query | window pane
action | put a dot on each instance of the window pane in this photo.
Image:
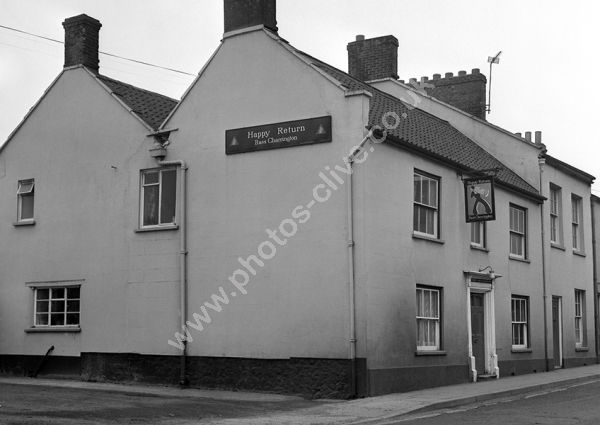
(57, 319)
(72, 318)
(25, 187)
(434, 304)
(58, 306)
(41, 306)
(417, 194)
(150, 205)
(58, 293)
(41, 319)
(26, 207)
(42, 294)
(425, 192)
(433, 191)
(72, 293)
(169, 190)
(151, 177)
(73, 306)
(422, 220)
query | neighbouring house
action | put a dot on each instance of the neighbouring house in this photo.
(290, 228)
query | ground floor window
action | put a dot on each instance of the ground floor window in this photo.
(428, 319)
(579, 318)
(56, 306)
(520, 322)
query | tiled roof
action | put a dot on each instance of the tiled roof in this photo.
(151, 107)
(427, 133)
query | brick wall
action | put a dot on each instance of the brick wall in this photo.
(81, 41)
(374, 58)
(241, 14)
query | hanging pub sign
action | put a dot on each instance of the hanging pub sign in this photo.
(479, 199)
(280, 135)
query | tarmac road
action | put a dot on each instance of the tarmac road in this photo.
(576, 404)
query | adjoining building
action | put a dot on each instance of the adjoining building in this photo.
(290, 228)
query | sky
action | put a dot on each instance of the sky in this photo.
(544, 80)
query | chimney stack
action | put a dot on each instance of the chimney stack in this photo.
(528, 136)
(81, 41)
(373, 58)
(538, 137)
(240, 14)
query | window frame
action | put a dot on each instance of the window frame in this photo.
(419, 204)
(577, 223)
(65, 298)
(522, 323)
(142, 205)
(556, 211)
(514, 231)
(25, 193)
(437, 320)
(579, 319)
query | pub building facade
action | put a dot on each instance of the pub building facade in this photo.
(356, 236)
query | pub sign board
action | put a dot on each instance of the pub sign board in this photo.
(480, 203)
(279, 135)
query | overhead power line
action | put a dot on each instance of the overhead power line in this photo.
(103, 53)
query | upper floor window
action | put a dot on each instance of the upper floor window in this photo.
(576, 223)
(428, 319)
(478, 234)
(555, 215)
(25, 194)
(158, 197)
(426, 205)
(518, 232)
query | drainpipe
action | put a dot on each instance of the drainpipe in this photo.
(182, 259)
(595, 277)
(541, 163)
(351, 277)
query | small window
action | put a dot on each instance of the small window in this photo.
(576, 223)
(518, 232)
(555, 215)
(428, 319)
(478, 234)
(580, 319)
(426, 205)
(520, 322)
(56, 306)
(25, 194)
(158, 197)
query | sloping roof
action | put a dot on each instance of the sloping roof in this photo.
(426, 133)
(152, 108)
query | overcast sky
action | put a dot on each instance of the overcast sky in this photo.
(545, 80)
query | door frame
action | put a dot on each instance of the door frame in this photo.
(560, 332)
(483, 283)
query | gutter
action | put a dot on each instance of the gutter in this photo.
(182, 260)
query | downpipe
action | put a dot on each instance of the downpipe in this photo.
(541, 163)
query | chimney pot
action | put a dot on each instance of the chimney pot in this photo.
(448, 75)
(240, 14)
(436, 76)
(424, 79)
(81, 41)
(528, 136)
(360, 37)
(538, 137)
(475, 71)
(462, 73)
(519, 134)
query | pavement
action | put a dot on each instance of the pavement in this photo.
(364, 411)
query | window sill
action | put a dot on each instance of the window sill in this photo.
(579, 253)
(479, 248)
(24, 223)
(430, 353)
(557, 246)
(428, 238)
(522, 260)
(581, 349)
(521, 350)
(55, 329)
(156, 228)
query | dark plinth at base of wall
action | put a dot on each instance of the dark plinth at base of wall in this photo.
(521, 367)
(578, 361)
(53, 366)
(385, 381)
(317, 378)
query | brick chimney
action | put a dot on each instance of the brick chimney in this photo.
(464, 91)
(241, 14)
(81, 41)
(374, 58)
